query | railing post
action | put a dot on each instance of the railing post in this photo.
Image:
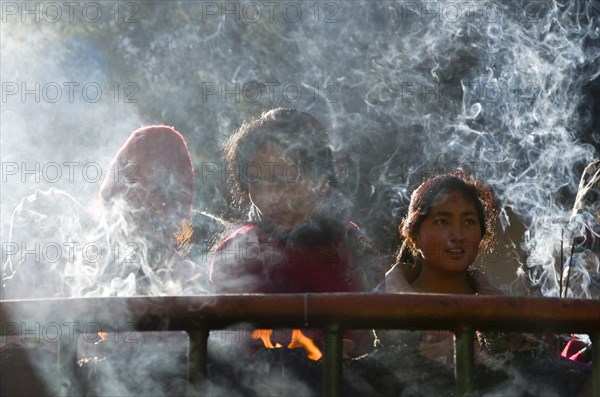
(332, 365)
(596, 364)
(67, 364)
(463, 360)
(197, 362)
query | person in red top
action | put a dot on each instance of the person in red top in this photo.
(297, 239)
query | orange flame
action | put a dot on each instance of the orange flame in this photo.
(299, 340)
(265, 336)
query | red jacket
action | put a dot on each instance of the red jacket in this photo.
(251, 260)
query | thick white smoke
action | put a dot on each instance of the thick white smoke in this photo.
(409, 89)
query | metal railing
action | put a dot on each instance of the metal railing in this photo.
(332, 312)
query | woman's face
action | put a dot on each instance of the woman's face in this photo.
(449, 236)
(285, 195)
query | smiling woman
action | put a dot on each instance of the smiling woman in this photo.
(451, 219)
(448, 241)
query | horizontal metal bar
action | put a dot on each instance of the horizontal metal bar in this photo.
(348, 310)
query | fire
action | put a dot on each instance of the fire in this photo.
(265, 336)
(299, 340)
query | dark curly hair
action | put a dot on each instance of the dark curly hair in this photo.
(425, 196)
(297, 134)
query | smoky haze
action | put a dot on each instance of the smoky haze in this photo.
(506, 90)
(408, 89)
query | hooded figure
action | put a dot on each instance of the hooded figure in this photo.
(146, 198)
(153, 174)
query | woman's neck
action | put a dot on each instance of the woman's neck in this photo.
(436, 283)
(317, 230)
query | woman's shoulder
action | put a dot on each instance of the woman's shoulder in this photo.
(481, 283)
(396, 279)
(243, 230)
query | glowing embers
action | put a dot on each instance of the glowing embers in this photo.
(298, 341)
